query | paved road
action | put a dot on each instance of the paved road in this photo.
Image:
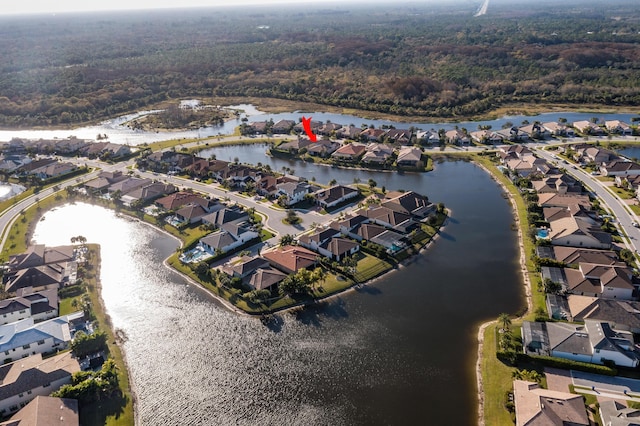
(612, 387)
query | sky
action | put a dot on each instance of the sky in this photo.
(60, 6)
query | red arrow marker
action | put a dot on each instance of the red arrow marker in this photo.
(306, 123)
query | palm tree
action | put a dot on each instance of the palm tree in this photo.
(505, 321)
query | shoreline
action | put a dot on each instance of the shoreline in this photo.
(528, 296)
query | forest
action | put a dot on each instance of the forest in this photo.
(433, 60)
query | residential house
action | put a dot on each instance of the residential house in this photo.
(538, 406)
(219, 217)
(487, 137)
(32, 167)
(428, 137)
(349, 224)
(37, 276)
(596, 155)
(615, 413)
(46, 410)
(190, 214)
(255, 272)
(608, 281)
(389, 218)
(377, 153)
(618, 127)
(556, 183)
(588, 128)
(53, 170)
(510, 152)
(349, 152)
(177, 200)
(294, 147)
(620, 168)
(25, 379)
(293, 192)
(314, 125)
(349, 132)
(39, 305)
(23, 338)
(372, 135)
(536, 131)
(315, 239)
(410, 156)
(126, 186)
(409, 202)
(457, 137)
(328, 129)
(104, 180)
(564, 200)
(574, 232)
(147, 193)
(258, 127)
(291, 259)
(551, 214)
(335, 195)
(572, 256)
(282, 127)
(337, 248)
(620, 314)
(38, 255)
(399, 136)
(230, 236)
(594, 342)
(368, 231)
(558, 129)
(323, 148)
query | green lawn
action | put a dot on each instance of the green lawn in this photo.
(496, 380)
(369, 266)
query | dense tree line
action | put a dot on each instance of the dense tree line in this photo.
(435, 61)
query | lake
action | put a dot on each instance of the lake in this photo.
(399, 351)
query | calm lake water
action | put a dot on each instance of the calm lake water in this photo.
(119, 133)
(400, 351)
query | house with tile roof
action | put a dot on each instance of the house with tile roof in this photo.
(293, 192)
(220, 216)
(127, 185)
(317, 238)
(46, 410)
(588, 128)
(323, 148)
(377, 153)
(563, 200)
(620, 168)
(608, 281)
(620, 314)
(23, 380)
(594, 342)
(575, 255)
(457, 137)
(618, 127)
(349, 132)
(536, 406)
(294, 146)
(230, 236)
(410, 156)
(409, 202)
(349, 152)
(388, 217)
(399, 136)
(282, 127)
(148, 193)
(39, 254)
(255, 272)
(372, 135)
(36, 276)
(337, 248)
(558, 129)
(335, 195)
(264, 278)
(574, 232)
(290, 259)
(615, 413)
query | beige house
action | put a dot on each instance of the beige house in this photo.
(537, 406)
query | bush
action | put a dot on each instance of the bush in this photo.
(568, 364)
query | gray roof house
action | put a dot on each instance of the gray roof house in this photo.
(594, 342)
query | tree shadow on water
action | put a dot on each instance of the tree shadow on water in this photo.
(368, 289)
(316, 313)
(273, 322)
(447, 236)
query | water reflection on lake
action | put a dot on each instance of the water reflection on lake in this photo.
(400, 351)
